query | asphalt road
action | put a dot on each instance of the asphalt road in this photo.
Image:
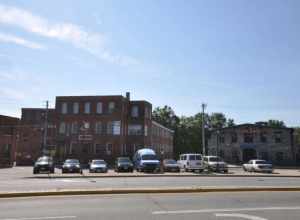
(211, 206)
(29, 184)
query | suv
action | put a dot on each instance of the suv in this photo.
(44, 164)
(215, 163)
(191, 162)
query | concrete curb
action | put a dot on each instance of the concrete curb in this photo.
(157, 175)
(144, 191)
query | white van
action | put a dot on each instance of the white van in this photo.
(191, 162)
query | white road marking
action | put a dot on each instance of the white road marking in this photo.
(41, 218)
(224, 210)
(238, 215)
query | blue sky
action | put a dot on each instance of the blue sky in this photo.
(240, 57)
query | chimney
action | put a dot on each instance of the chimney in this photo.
(128, 95)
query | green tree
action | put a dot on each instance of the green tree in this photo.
(276, 123)
(165, 116)
(230, 122)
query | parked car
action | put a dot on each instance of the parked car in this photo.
(258, 166)
(98, 166)
(191, 162)
(71, 166)
(215, 163)
(171, 165)
(145, 160)
(44, 164)
(123, 164)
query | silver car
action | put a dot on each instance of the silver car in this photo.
(215, 163)
(258, 166)
(98, 166)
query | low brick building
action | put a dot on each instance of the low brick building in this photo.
(31, 130)
(243, 142)
(88, 127)
(8, 140)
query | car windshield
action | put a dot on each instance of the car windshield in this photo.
(215, 159)
(98, 162)
(170, 162)
(195, 157)
(44, 159)
(261, 162)
(124, 160)
(149, 157)
(72, 161)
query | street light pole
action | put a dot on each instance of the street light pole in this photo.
(45, 128)
(203, 131)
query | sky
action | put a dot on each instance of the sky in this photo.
(239, 57)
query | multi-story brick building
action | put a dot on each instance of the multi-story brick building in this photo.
(249, 141)
(88, 127)
(8, 140)
(31, 131)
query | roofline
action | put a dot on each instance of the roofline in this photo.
(161, 126)
(10, 117)
(252, 125)
(89, 96)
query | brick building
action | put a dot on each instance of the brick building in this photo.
(249, 141)
(8, 140)
(31, 130)
(88, 127)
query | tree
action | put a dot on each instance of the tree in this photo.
(216, 121)
(276, 123)
(165, 116)
(230, 122)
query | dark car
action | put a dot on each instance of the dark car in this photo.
(44, 165)
(170, 165)
(71, 166)
(123, 164)
(98, 166)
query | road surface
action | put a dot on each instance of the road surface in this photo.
(211, 206)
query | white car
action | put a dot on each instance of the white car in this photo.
(98, 166)
(258, 166)
(191, 162)
(215, 163)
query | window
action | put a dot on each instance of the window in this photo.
(111, 107)
(135, 130)
(222, 138)
(116, 127)
(278, 138)
(98, 128)
(135, 111)
(146, 130)
(64, 108)
(109, 128)
(147, 113)
(248, 138)
(75, 108)
(263, 137)
(6, 150)
(99, 108)
(87, 108)
(74, 128)
(108, 149)
(62, 128)
(72, 148)
(99, 149)
(234, 137)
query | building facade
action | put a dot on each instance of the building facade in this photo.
(31, 133)
(241, 143)
(89, 127)
(8, 140)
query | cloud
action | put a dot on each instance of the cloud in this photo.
(92, 42)
(7, 38)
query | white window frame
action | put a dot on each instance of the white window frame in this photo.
(64, 108)
(99, 108)
(62, 128)
(87, 108)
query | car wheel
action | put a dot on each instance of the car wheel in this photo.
(52, 171)
(35, 172)
(244, 168)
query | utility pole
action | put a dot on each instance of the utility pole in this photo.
(203, 129)
(45, 128)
